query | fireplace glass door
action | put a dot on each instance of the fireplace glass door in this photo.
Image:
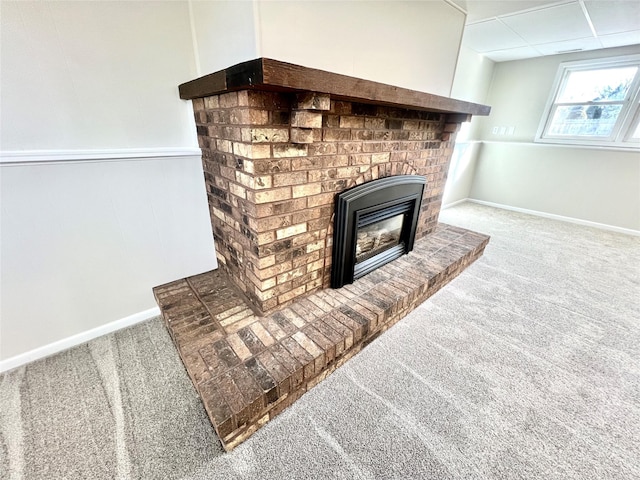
(374, 224)
(380, 237)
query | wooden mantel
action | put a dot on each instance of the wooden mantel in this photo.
(268, 74)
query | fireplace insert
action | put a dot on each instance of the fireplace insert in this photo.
(374, 224)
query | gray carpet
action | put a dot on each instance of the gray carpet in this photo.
(526, 366)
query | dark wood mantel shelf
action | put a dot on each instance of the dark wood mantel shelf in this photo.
(268, 74)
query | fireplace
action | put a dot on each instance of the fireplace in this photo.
(374, 224)
(314, 180)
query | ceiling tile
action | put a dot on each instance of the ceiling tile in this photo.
(614, 16)
(552, 24)
(567, 46)
(478, 10)
(621, 39)
(491, 35)
(512, 54)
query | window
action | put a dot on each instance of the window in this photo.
(595, 102)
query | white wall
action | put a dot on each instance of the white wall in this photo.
(471, 83)
(591, 185)
(91, 75)
(583, 184)
(84, 241)
(409, 44)
(100, 184)
(225, 33)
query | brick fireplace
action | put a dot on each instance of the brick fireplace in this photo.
(279, 142)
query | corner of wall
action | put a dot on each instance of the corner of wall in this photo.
(256, 27)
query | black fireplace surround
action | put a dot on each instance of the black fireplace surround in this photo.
(374, 224)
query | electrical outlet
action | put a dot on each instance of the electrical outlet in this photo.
(495, 130)
(511, 130)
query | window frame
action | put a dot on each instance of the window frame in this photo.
(628, 119)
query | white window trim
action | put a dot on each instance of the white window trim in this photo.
(630, 113)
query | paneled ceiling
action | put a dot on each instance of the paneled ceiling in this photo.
(516, 29)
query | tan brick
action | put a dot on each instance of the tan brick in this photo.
(349, 147)
(212, 102)
(237, 190)
(291, 274)
(313, 101)
(243, 98)
(411, 125)
(262, 334)
(274, 195)
(322, 199)
(306, 119)
(351, 122)
(262, 285)
(306, 215)
(267, 261)
(274, 270)
(266, 135)
(306, 190)
(239, 347)
(291, 178)
(198, 104)
(244, 179)
(263, 181)
(312, 247)
(335, 134)
(274, 223)
(251, 151)
(290, 150)
(228, 100)
(224, 146)
(374, 123)
(302, 135)
(323, 149)
(264, 238)
(317, 265)
(291, 231)
(380, 158)
(306, 343)
(296, 292)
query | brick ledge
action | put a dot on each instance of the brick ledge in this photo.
(248, 368)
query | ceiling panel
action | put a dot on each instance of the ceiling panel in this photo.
(619, 39)
(553, 24)
(485, 9)
(491, 35)
(513, 54)
(507, 30)
(567, 46)
(614, 16)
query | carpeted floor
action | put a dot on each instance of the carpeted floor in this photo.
(526, 366)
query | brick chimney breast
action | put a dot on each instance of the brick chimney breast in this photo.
(275, 154)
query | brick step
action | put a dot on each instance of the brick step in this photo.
(248, 368)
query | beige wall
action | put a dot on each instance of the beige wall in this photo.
(586, 184)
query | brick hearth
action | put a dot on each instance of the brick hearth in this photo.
(248, 368)
(279, 142)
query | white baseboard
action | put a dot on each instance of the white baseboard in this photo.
(453, 204)
(74, 340)
(602, 226)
